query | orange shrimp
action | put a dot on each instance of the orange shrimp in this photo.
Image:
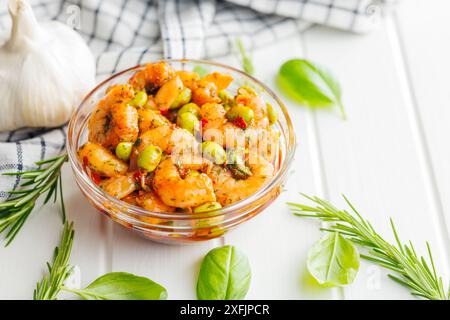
(101, 160)
(114, 120)
(152, 77)
(192, 190)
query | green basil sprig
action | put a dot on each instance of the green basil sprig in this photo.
(408, 269)
(121, 286)
(111, 286)
(333, 260)
(310, 84)
(225, 274)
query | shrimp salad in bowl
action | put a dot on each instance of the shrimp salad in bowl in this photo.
(172, 142)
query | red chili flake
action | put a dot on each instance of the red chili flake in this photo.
(96, 178)
(164, 111)
(204, 122)
(182, 171)
(137, 175)
(240, 122)
(85, 162)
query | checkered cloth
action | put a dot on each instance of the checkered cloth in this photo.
(123, 33)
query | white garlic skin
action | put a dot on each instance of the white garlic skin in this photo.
(45, 70)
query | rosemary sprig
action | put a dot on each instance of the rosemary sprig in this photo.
(44, 180)
(246, 61)
(110, 286)
(409, 269)
(59, 270)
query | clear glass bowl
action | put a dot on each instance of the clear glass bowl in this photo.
(181, 227)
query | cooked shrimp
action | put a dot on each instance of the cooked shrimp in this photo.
(119, 186)
(221, 80)
(249, 98)
(171, 140)
(205, 92)
(217, 128)
(262, 142)
(189, 79)
(151, 104)
(150, 201)
(229, 190)
(174, 190)
(114, 120)
(153, 76)
(159, 136)
(150, 119)
(124, 124)
(167, 138)
(168, 93)
(101, 160)
(131, 199)
(214, 113)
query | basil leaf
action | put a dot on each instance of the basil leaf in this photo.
(310, 84)
(333, 260)
(122, 286)
(224, 275)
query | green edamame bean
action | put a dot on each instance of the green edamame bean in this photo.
(271, 114)
(183, 98)
(226, 98)
(123, 150)
(140, 99)
(149, 158)
(190, 107)
(214, 152)
(245, 113)
(247, 89)
(211, 225)
(207, 207)
(188, 121)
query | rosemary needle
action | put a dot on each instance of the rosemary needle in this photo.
(44, 180)
(59, 270)
(409, 269)
(246, 61)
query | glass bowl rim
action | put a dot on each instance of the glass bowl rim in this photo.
(138, 211)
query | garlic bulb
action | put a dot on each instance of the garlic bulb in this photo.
(45, 70)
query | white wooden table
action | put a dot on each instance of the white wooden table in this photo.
(391, 158)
